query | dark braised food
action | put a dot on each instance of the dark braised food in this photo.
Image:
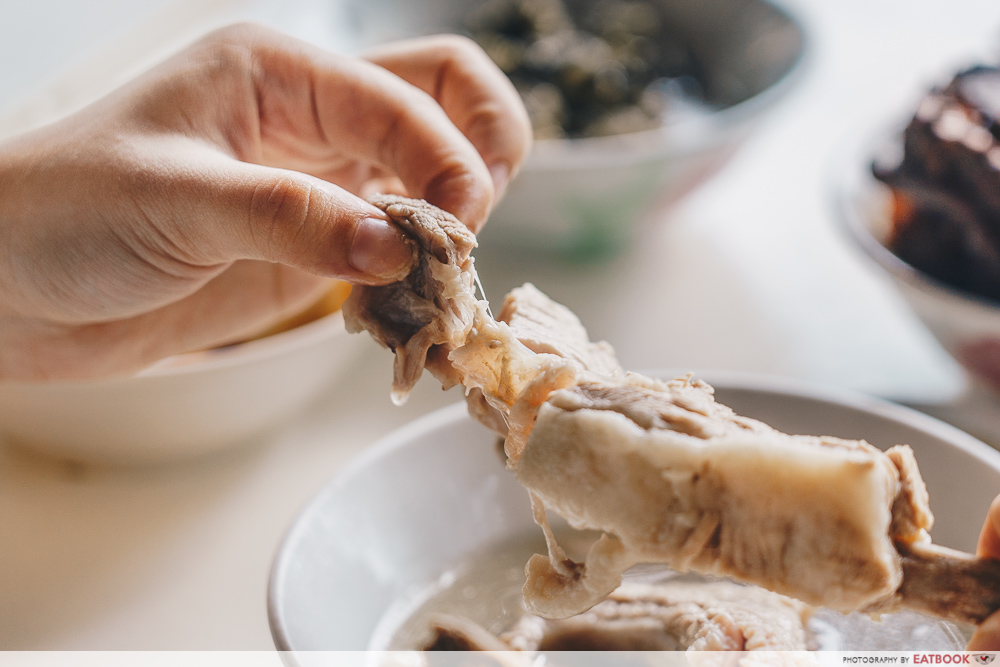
(946, 186)
(588, 68)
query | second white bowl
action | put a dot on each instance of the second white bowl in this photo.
(187, 405)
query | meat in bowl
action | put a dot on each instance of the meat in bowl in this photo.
(663, 471)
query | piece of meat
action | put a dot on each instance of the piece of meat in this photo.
(453, 633)
(434, 306)
(433, 318)
(663, 470)
(667, 616)
(681, 480)
(718, 616)
(544, 327)
(547, 327)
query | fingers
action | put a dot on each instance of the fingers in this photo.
(989, 537)
(987, 634)
(318, 111)
(475, 94)
(316, 226)
(226, 210)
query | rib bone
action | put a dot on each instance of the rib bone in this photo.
(947, 583)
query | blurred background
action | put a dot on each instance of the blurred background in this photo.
(748, 272)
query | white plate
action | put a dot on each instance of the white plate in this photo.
(436, 490)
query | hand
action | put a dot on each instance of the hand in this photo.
(987, 635)
(208, 198)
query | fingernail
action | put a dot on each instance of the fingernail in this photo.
(380, 250)
(501, 175)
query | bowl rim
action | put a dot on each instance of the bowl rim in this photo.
(380, 449)
(258, 349)
(401, 437)
(682, 136)
(851, 178)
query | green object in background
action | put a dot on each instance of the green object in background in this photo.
(603, 225)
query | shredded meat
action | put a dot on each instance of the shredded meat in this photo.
(434, 306)
(547, 327)
(433, 318)
(668, 474)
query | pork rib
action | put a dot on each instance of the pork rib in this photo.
(668, 474)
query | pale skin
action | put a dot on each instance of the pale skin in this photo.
(211, 196)
(987, 635)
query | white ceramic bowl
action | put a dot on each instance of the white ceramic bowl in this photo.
(966, 325)
(583, 197)
(429, 495)
(184, 406)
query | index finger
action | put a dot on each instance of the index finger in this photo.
(478, 98)
(317, 111)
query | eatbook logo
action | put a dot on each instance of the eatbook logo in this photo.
(984, 658)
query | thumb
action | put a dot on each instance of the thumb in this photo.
(302, 221)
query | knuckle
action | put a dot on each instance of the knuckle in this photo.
(497, 115)
(459, 48)
(229, 57)
(234, 48)
(458, 189)
(279, 211)
(485, 120)
(220, 58)
(241, 32)
(452, 175)
(499, 130)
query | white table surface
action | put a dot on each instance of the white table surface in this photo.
(748, 274)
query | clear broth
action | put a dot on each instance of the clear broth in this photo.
(486, 589)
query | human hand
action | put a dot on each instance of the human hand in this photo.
(987, 635)
(208, 198)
